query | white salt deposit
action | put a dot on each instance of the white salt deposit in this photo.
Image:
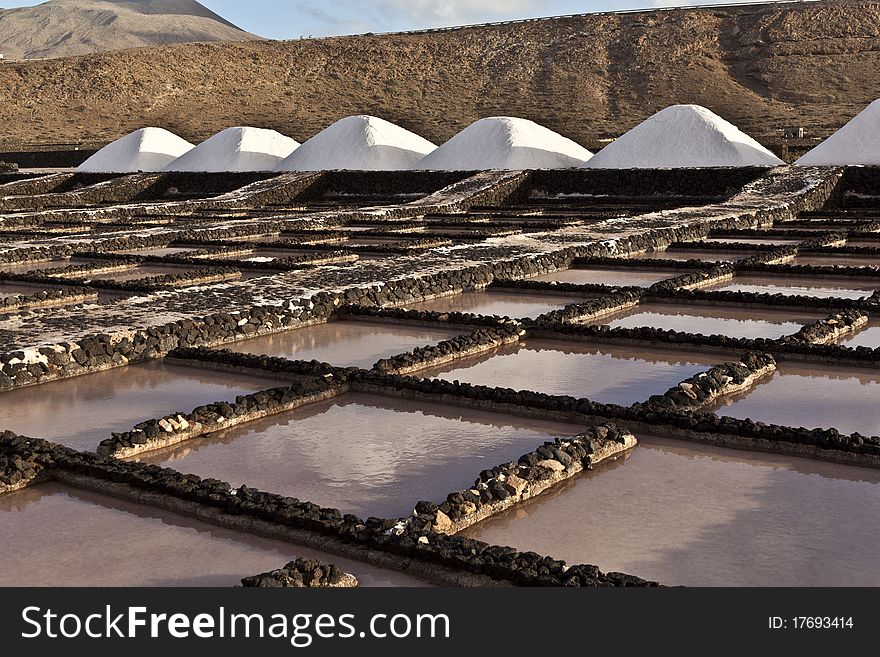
(359, 143)
(683, 136)
(858, 142)
(237, 149)
(507, 143)
(147, 149)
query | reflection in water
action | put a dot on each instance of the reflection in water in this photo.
(363, 454)
(713, 320)
(602, 373)
(867, 337)
(812, 396)
(622, 277)
(693, 515)
(349, 344)
(52, 535)
(505, 304)
(83, 411)
(811, 287)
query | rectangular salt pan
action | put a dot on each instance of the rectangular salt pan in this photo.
(51, 535)
(867, 337)
(693, 515)
(622, 277)
(696, 254)
(142, 271)
(345, 344)
(363, 454)
(83, 411)
(812, 396)
(713, 320)
(843, 288)
(504, 304)
(601, 373)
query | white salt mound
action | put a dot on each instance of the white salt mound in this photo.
(858, 142)
(237, 149)
(359, 143)
(147, 149)
(507, 143)
(683, 136)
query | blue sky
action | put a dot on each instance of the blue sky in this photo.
(290, 19)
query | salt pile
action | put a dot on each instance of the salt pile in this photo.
(360, 143)
(683, 136)
(508, 143)
(147, 149)
(237, 149)
(858, 142)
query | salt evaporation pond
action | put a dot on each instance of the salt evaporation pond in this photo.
(25, 267)
(616, 277)
(811, 396)
(492, 302)
(731, 321)
(602, 373)
(142, 271)
(697, 254)
(695, 515)
(868, 337)
(363, 454)
(82, 411)
(824, 287)
(52, 535)
(769, 241)
(344, 343)
(842, 260)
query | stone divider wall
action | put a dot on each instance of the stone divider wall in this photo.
(303, 574)
(504, 486)
(388, 543)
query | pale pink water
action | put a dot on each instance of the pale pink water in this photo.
(693, 515)
(619, 277)
(52, 535)
(344, 343)
(843, 288)
(867, 337)
(83, 411)
(842, 260)
(713, 320)
(812, 396)
(363, 454)
(601, 373)
(25, 267)
(697, 254)
(142, 271)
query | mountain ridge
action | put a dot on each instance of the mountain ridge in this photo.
(61, 28)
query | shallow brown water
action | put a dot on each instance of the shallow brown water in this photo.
(713, 320)
(24, 289)
(693, 515)
(52, 535)
(348, 344)
(812, 396)
(505, 304)
(843, 288)
(601, 373)
(363, 454)
(82, 411)
(622, 277)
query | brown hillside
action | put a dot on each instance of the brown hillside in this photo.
(62, 28)
(763, 67)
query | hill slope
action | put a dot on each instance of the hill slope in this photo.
(62, 28)
(761, 67)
